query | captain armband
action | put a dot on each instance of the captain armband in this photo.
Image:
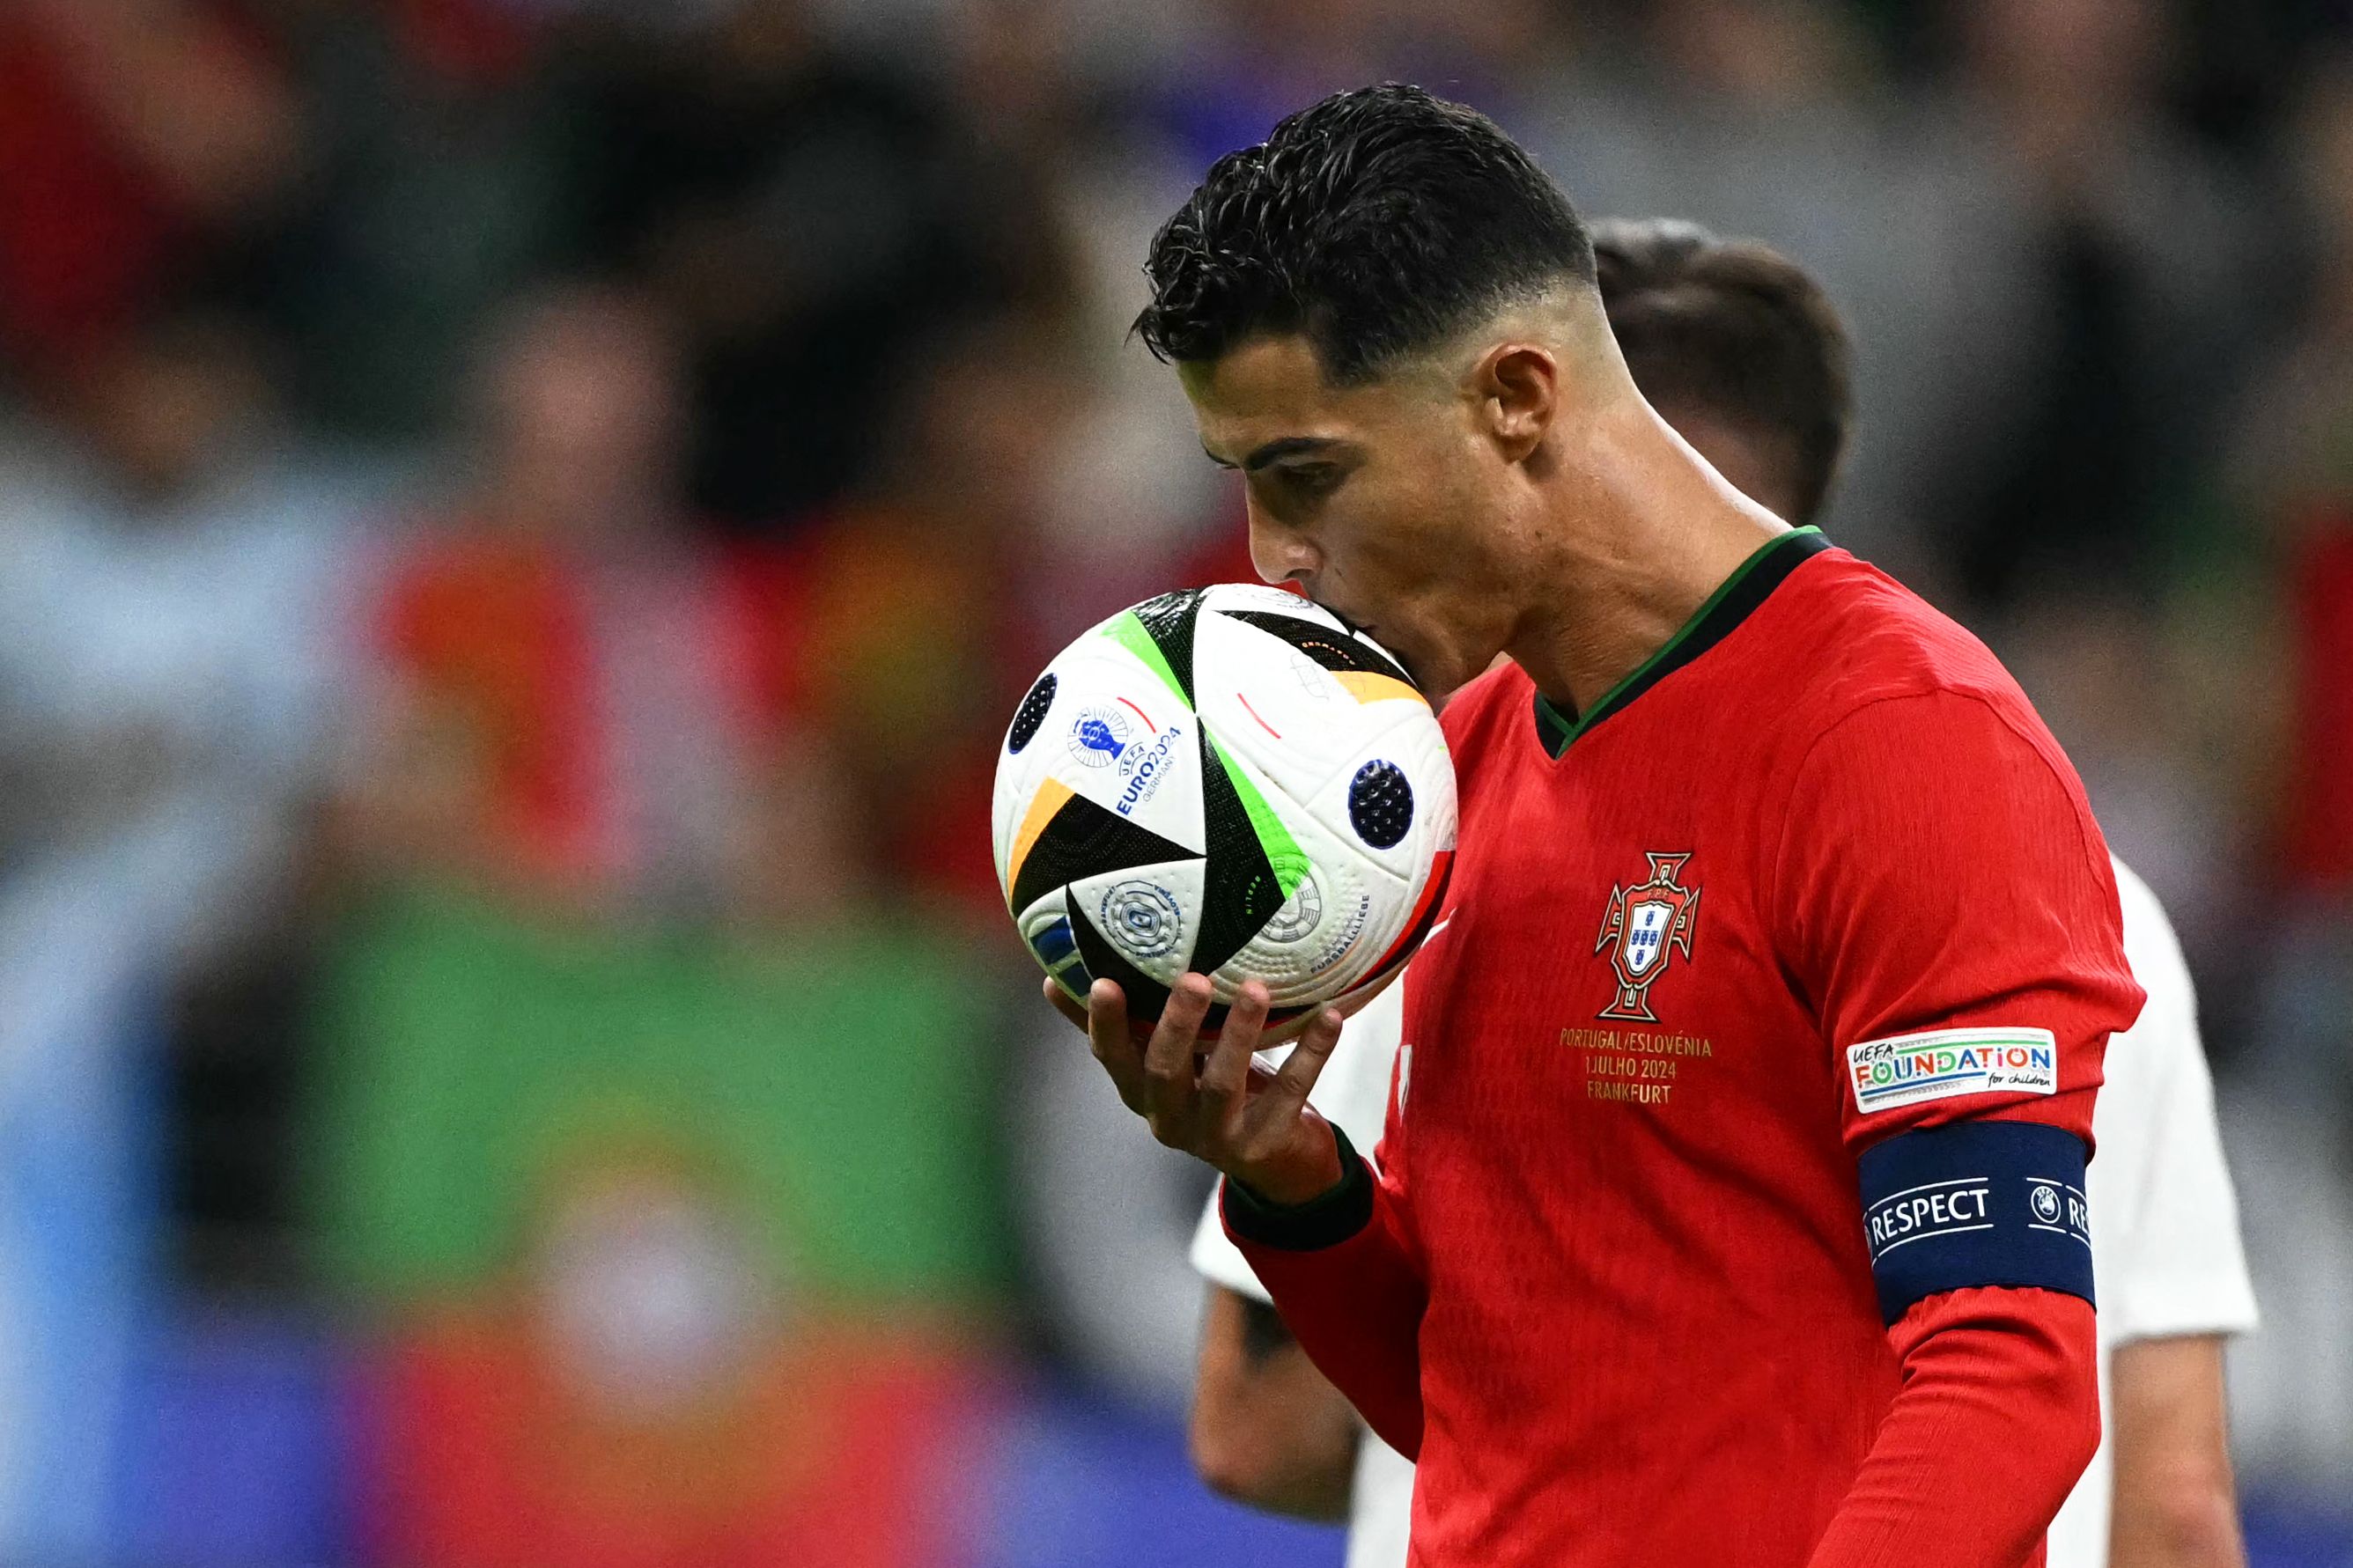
(1976, 1202)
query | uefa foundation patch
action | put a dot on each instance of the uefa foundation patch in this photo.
(1906, 1069)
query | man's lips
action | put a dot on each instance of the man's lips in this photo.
(1368, 629)
(1346, 619)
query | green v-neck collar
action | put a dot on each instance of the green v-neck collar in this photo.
(1735, 599)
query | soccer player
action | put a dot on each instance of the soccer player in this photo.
(1739, 349)
(1729, 1206)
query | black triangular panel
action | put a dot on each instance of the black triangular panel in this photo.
(1333, 651)
(1083, 839)
(1145, 996)
(1239, 893)
(1169, 618)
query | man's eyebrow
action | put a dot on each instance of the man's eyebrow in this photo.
(1275, 452)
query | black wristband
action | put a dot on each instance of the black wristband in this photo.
(1325, 1220)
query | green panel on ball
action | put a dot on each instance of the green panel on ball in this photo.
(1243, 885)
(1159, 631)
(1282, 852)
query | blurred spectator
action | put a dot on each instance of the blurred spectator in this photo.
(1255, 64)
(1776, 120)
(433, 189)
(2293, 1085)
(169, 657)
(917, 613)
(137, 139)
(667, 712)
(1785, 53)
(171, 566)
(578, 699)
(2127, 251)
(2296, 473)
(812, 222)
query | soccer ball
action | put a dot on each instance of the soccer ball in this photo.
(1224, 780)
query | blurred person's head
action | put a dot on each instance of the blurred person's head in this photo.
(1341, 33)
(2085, 59)
(980, 415)
(1763, 52)
(752, 43)
(918, 589)
(1385, 317)
(1736, 348)
(167, 401)
(2323, 155)
(580, 402)
(1013, 65)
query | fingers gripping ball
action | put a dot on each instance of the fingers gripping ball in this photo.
(1224, 780)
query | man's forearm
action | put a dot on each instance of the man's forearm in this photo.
(1268, 1428)
(2175, 1503)
(1998, 1416)
(1347, 1287)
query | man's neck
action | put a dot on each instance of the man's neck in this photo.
(1642, 533)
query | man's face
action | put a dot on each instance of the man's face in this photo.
(1386, 502)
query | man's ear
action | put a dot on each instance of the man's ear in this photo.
(1518, 388)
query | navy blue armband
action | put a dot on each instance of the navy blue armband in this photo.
(1976, 1202)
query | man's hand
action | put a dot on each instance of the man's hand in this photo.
(1253, 1125)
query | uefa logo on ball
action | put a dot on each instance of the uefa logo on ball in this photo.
(1098, 737)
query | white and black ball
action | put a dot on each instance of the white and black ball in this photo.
(1226, 780)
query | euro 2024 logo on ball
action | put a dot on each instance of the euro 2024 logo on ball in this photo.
(1102, 737)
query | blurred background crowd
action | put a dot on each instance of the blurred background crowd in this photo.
(522, 523)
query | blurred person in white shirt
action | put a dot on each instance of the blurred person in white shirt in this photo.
(1741, 352)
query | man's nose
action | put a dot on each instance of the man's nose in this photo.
(1278, 553)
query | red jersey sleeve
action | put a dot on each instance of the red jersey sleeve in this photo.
(1947, 904)
(1345, 1278)
(2009, 1378)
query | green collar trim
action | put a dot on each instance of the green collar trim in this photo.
(1732, 603)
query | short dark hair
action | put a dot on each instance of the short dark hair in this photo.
(1733, 329)
(1378, 223)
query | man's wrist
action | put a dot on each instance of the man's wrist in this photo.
(1332, 1216)
(1306, 1173)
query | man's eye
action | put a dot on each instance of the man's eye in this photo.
(1311, 481)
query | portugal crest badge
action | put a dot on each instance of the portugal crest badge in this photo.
(1646, 923)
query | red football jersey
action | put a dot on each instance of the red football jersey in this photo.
(1814, 875)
